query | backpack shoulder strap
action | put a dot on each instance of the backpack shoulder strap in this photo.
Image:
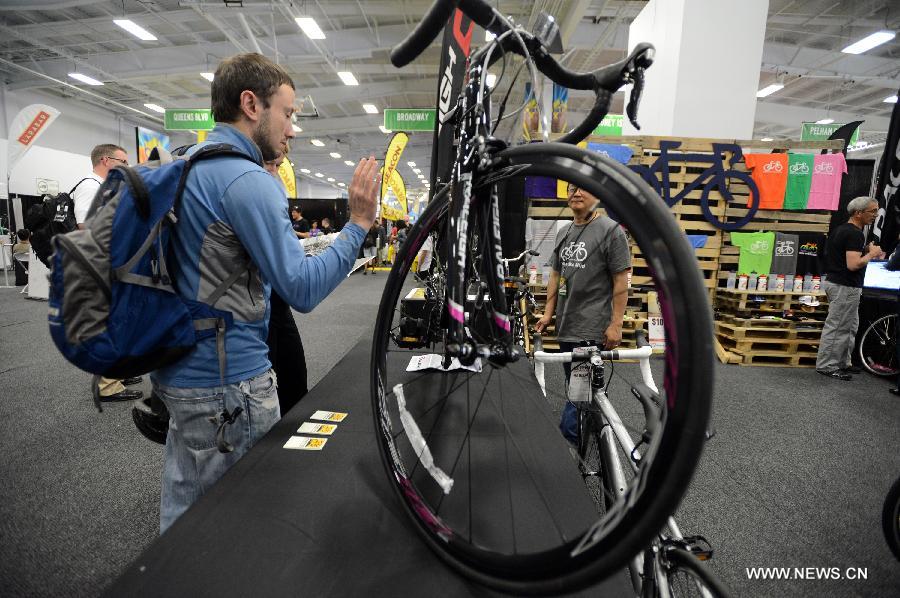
(72, 190)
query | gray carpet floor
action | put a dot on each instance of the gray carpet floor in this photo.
(794, 478)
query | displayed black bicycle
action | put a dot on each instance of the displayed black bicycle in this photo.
(470, 443)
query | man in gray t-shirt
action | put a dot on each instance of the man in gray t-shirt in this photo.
(588, 286)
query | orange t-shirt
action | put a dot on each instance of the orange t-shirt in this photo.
(770, 173)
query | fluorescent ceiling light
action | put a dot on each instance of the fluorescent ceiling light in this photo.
(370, 108)
(869, 42)
(317, 143)
(491, 79)
(208, 76)
(135, 29)
(383, 130)
(766, 139)
(417, 171)
(824, 121)
(769, 90)
(890, 100)
(296, 129)
(155, 108)
(310, 27)
(411, 164)
(341, 185)
(85, 79)
(349, 162)
(330, 179)
(335, 155)
(319, 174)
(348, 78)
(305, 170)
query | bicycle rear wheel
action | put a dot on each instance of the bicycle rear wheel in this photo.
(687, 577)
(476, 458)
(878, 347)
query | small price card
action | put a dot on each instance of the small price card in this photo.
(329, 416)
(305, 443)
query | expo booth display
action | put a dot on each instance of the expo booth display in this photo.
(761, 265)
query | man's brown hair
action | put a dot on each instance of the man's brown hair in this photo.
(252, 72)
(103, 150)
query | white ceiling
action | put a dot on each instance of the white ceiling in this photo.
(48, 38)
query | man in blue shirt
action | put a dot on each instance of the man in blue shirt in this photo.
(233, 245)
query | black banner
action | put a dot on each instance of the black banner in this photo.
(887, 226)
(454, 56)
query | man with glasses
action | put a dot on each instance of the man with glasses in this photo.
(588, 286)
(846, 257)
(104, 158)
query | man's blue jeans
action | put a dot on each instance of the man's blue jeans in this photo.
(193, 462)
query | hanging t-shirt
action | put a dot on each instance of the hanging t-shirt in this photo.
(800, 169)
(756, 251)
(825, 190)
(784, 256)
(769, 172)
(619, 153)
(698, 241)
(809, 254)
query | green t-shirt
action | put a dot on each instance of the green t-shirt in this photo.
(756, 251)
(800, 168)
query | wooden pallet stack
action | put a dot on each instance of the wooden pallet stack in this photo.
(751, 328)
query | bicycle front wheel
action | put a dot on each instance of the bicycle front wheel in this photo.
(687, 577)
(878, 347)
(475, 456)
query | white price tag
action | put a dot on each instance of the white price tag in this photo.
(580, 383)
(305, 443)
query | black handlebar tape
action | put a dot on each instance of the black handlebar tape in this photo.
(424, 33)
(640, 338)
(483, 14)
(586, 127)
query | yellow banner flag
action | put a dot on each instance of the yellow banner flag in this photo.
(286, 174)
(393, 200)
(390, 177)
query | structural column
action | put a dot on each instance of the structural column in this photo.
(706, 74)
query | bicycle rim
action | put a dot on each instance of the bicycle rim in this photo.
(687, 577)
(508, 520)
(890, 519)
(878, 347)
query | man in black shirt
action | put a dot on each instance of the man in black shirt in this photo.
(300, 224)
(846, 258)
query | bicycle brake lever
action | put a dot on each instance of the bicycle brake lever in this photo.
(635, 99)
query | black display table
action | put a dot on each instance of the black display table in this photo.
(305, 523)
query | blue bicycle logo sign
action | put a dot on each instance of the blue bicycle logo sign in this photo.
(714, 178)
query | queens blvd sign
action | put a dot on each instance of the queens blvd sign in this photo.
(189, 119)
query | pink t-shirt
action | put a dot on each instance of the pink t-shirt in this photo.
(825, 189)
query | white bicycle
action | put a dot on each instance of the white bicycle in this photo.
(608, 455)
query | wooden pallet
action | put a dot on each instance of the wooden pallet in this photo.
(768, 333)
(767, 345)
(771, 359)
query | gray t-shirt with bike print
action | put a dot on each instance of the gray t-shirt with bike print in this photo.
(586, 257)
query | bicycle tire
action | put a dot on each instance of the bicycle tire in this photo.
(606, 545)
(878, 347)
(728, 197)
(686, 576)
(890, 519)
